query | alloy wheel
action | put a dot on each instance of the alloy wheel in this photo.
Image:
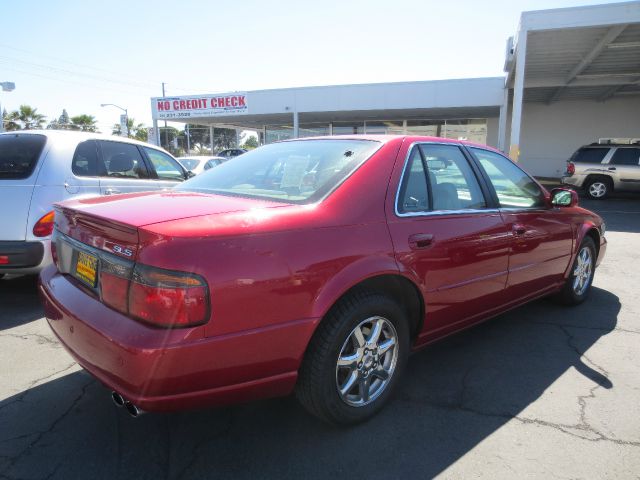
(582, 271)
(367, 361)
(597, 189)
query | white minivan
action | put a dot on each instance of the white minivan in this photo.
(39, 168)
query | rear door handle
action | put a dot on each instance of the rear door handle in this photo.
(111, 191)
(420, 240)
(611, 168)
(519, 229)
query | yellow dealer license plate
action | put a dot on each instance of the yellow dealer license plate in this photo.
(86, 267)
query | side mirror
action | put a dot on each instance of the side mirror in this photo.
(189, 175)
(564, 197)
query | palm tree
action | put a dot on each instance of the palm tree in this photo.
(137, 131)
(84, 123)
(25, 118)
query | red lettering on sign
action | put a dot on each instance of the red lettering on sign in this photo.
(175, 105)
(241, 101)
(234, 101)
(183, 104)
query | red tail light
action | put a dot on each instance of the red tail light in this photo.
(168, 298)
(164, 298)
(571, 168)
(44, 226)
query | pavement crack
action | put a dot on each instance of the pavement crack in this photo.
(41, 434)
(35, 382)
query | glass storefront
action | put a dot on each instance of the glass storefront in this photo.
(472, 129)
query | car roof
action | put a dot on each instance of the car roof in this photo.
(409, 138)
(70, 135)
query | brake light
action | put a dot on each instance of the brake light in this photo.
(168, 298)
(571, 168)
(44, 226)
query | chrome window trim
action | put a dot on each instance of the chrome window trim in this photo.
(429, 213)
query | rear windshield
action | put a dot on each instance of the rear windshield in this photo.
(19, 154)
(589, 155)
(292, 172)
(189, 163)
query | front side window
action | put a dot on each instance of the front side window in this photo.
(85, 159)
(626, 156)
(298, 172)
(514, 188)
(166, 167)
(122, 160)
(19, 155)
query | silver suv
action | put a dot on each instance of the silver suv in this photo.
(604, 167)
(39, 168)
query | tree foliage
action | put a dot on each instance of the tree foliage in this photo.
(250, 142)
(136, 130)
(25, 118)
(84, 123)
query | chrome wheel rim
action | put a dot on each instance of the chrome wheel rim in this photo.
(582, 271)
(367, 361)
(597, 189)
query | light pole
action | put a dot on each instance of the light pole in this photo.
(126, 115)
(6, 87)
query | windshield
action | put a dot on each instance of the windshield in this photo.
(294, 172)
(189, 163)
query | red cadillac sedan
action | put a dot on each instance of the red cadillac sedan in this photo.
(310, 266)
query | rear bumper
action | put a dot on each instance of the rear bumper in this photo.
(163, 370)
(573, 180)
(25, 257)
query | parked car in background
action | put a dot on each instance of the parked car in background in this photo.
(231, 152)
(39, 168)
(200, 163)
(311, 265)
(604, 167)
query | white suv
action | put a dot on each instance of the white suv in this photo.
(39, 168)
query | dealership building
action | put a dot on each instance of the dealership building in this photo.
(572, 77)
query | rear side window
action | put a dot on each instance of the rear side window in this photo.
(414, 196)
(85, 159)
(589, 155)
(122, 160)
(626, 156)
(19, 155)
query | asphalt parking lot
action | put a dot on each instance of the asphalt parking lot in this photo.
(543, 391)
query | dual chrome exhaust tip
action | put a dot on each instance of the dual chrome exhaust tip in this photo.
(120, 401)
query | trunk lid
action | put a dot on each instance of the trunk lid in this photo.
(19, 157)
(111, 223)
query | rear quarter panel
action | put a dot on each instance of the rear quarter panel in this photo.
(286, 264)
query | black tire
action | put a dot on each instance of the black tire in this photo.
(2, 276)
(569, 295)
(317, 388)
(598, 188)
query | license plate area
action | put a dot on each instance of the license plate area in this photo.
(86, 269)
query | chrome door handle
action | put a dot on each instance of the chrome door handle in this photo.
(111, 191)
(519, 229)
(420, 240)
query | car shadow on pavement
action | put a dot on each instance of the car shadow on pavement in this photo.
(19, 302)
(454, 395)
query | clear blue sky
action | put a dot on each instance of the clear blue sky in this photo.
(78, 54)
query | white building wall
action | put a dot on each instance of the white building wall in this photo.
(551, 133)
(492, 131)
